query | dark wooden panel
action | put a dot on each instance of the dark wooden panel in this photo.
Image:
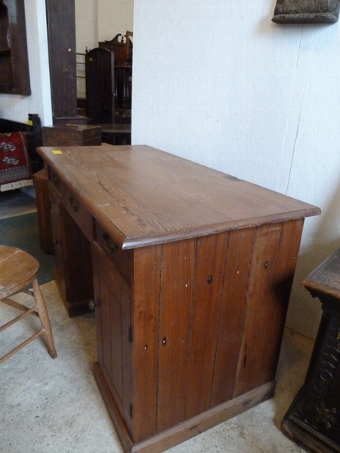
(177, 277)
(210, 258)
(14, 69)
(277, 303)
(58, 252)
(62, 53)
(237, 272)
(113, 313)
(260, 292)
(99, 65)
(96, 297)
(44, 211)
(313, 419)
(147, 266)
(265, 306)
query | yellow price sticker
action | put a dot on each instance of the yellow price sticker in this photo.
(57, 151)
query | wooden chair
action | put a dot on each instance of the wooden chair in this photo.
(18, 270)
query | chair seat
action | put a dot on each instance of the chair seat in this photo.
(17, 269)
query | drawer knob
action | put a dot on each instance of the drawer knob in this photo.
(93, 304)
(56, 241)
(54, 178)
(74, 204)
(111, 246)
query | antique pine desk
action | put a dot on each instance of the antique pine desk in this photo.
(313, 419)
(192, 271)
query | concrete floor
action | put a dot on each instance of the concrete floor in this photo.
(16, 202)
(54, 406)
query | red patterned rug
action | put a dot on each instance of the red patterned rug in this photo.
(15, 167)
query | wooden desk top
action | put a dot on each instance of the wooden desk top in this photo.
(145, 196)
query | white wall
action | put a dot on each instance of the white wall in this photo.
(100, 20)
(114, 16)
(17, 107)
(218, 83)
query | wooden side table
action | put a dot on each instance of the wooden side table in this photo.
(313, 419)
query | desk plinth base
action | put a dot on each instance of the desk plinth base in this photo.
(184, 431)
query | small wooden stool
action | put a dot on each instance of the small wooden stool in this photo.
(18, 269)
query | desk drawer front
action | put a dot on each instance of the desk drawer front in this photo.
(122, 259)
(75, 208)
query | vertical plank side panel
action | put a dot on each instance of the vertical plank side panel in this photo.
(106, 329)
(59, 270)
(258, 314)
(278, 303)
(116, 338)
(232, 316)
(146, 289)
(98, 312)
(114, 316)
(211, 252)
(174, 331)
(126, 352)
(103, 317)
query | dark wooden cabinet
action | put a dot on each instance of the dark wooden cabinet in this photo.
(109, 81)
(313, 419)
(192, 273)
(100, 85)
(14, 69)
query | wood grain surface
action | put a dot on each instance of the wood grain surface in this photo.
(153, 197)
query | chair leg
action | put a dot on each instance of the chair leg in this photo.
(43, 315)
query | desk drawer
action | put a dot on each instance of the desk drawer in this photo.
(122, 259)
(54, 179)
(75, 208)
